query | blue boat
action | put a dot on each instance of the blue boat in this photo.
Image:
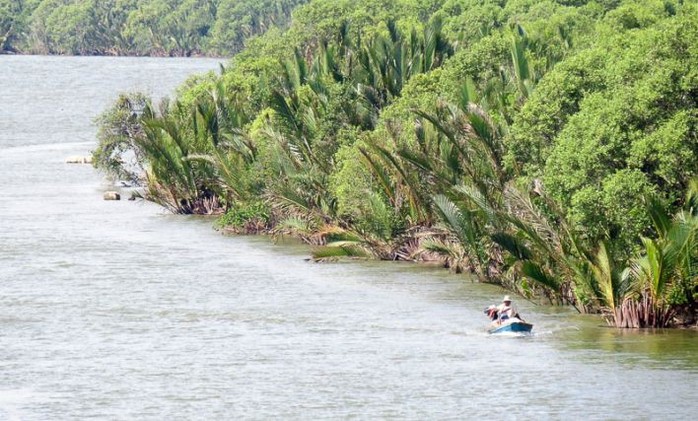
(511, 325)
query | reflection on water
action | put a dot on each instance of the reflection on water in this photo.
(657, 348)
(115, 310)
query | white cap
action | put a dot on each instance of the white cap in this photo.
(506, 298)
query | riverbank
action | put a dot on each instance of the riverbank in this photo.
(192, 55)
(331, 245)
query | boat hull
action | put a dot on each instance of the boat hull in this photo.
(516, 327)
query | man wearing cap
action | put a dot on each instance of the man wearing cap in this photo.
(506, 310)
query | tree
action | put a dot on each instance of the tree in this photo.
(606, 129)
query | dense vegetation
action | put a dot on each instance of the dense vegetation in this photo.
(137, 27)
(548, 146)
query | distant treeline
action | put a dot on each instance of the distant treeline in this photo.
(137, 27)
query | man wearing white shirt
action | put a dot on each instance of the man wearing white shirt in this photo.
(506, 310)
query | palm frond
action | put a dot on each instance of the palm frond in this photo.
(536, 273)
(476, 196)
(453, 217)
(513, 245)
(659, 215)
(691, 203)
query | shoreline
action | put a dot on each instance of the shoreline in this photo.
(192, 56)
(269, 233)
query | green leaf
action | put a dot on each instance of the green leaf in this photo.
(534, 272)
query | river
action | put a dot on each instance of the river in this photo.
(117, 310)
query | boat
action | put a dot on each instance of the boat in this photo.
(510, 325)
(505, 324)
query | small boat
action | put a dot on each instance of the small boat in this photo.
(510, 325)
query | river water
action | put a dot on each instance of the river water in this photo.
(117, 310)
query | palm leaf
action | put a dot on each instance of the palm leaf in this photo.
(347, 249)
(381, 175)
(652, 271)
(659, 216)
(513, 245)
(534, 272)
(481, 201)
(439, 247)
(453, 217)
(691, 204)
(612, 284)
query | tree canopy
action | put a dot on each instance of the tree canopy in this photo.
(131, 27)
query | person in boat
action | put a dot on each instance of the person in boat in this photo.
(491, 312)
(507, 310)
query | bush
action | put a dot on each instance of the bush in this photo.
(248, 217)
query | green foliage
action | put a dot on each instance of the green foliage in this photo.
(245, 213)
(350, 183)
(335, 251)
(615, 123)
(521, 140)
(130, 27)
(615, 209)
(118, 154)
(13, 22)
(557, 97)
